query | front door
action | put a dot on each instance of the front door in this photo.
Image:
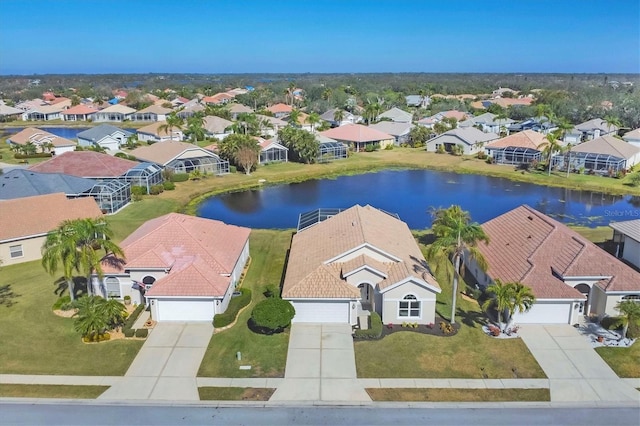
(365, 296)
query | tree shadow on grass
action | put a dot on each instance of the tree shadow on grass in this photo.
(471, 318)
(79, 286)
(7, 296)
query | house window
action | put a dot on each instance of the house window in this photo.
(112, 286)
(409, 307)
(634, 297)
(16, 251)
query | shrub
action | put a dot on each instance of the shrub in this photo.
(129, 332)
(97, 338)
(37, 155)
(610, 323)
(168, 186)
(633, 332)
(440, 149)
(446, 328)
(233, 169)
(634, 179)
(375, 328)
(180, 177)
(138, 190)
(133, 317)
(389, 147)
(136, 197)
(272, 291)
(272, 315)
(142, 332)
(167, 174)
(156, 189)
(64, 301)
(125, 156)
(235, 304)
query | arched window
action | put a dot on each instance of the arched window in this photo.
(112, 286)
(409, 307)
(148, 281)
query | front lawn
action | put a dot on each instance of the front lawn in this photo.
(458, 395)
(624, 361)
(468, 354)
(235, 394)
(267, 355)
(36, 341)
(51, 391)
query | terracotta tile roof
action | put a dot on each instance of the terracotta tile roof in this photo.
(530, 247)
(80, 110)
(526, 139)
(356, 133)
(507, 102)
(458, 115)
(164, 152)
(278, 108)
(86, 164)
(314, 267)
(42, 214)
(199, 253)
(37, 137)
(361, 261)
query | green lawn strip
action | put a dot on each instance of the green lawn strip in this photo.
(265, 354)
(51, 391)
(235, 394)
(458, 395)
(130, 218)
(36, 341)
(624, 361)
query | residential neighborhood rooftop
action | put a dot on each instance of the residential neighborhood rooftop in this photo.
(18, 183)
(356, 133)
(85, 164)
(525, 139)
(608, 145)
(630, 228)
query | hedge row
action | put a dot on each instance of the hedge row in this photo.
(375, 328)
(235, 304)
(180, 177)
(127, 328)
(37, 155)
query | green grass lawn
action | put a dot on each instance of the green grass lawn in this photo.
(468, 354)
(458, 395)
(130, 218)
(267, 355)
(624, 361)
(51, 391)
(36, 341)
(235, 394)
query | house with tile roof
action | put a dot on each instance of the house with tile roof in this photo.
(8, 113)
(487, 123)
(518, 148)
(269, 126)
(280, 110)
(589, 130)
(347, 117)
(158, 132)
(79, 112)
(43, 140)
(19, 183)
(32, 218)
(237, 109)
(626, 236)
(271, 151)
(600, 155)
(151, 113)
(182, 157)
(355, 262)
(358, 137)
(43, 113)
(117, 113)
(399, 130)
(470, 139)
(104, 136)
(217, 127)
(396, 115)
(184, 267)
(633, 137)
(569, 275)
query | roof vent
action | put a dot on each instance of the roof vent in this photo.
(353, 224)
(529, 237)
(530, 217)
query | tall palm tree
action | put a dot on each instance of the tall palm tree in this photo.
(173, 121)
(294, 117)
(195, 128)
(523, 299)
(313, 119)
(501, 300)
(629, 312)
(456, 240)
(550, 147)
(338, 116)
(568, 151)
(611, 121)
(500, 118)
(60, 251)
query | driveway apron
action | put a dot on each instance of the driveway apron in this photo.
(320, 365)
(575, 371)
(167, 365)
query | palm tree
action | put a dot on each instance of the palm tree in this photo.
(629, 312)
(568, 151)
(294, 117)
(501, 300)
(611, 121)
(59, 250)
(457, 240)
(114, 312)
(90, 320)
(173, 121)
(550, 147)
(523, 299)
(313, 119)
(195, 128)
(500, 117)
(338, 116)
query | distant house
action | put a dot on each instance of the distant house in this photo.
(20, 183)
(396, 115)
(236, 109)
(417, 101)
(158, 132)
(151, 113)
(538, 124)
(190, 108)
(589, 130)
(518, 148)
(32, 218)
(500, 91)
(184, 268)
(280, 110)
(569, 275)
(399, 130)
(117, 113)
(43, 113)
(272, 151)
(602, 155)
(218, 99)
(217, 127)
(182, 157)
(356, 262)
(9, 113)
(430, 122)
(45, 141)
(79, 113)
(347, 118)
(487, 123)
(470, 139)
(270, 125)
(633, 137)
(626, 236)
(359, 137)
(302, 122)
(105, 136)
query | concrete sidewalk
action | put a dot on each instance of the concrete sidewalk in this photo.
(575, 371)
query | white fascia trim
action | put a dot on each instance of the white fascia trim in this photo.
(616, 292)
(575, 299)
(320, 299)
(376, 249)
(26, 237)
(586, 277)
(186, 297)
(192, 149)
(148, 269)
(414, 280)
(368, 268)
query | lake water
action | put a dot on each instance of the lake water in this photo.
(63, 132)
(410, 194)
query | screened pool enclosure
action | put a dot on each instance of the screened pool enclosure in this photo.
(332, 151)
(111, 195)
(210, 165)
(591, 162)
(516, 155)
(144, 174)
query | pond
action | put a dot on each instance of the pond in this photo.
(64, 132)
(410, 194)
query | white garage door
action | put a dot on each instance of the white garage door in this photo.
(545, 313)
(110, 145)
(185, 310)
(337, 312)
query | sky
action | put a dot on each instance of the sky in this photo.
(319, 36)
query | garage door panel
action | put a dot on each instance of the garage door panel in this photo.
(328, 312)
(185, 310)
(545, 313)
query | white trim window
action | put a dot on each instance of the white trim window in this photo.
(112, 286)
(409, 307)
(16, 251)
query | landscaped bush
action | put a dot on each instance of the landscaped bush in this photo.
(129, 332)
(272, 316)
(633, 332)
(97, 338)
(180, 177)
(128, 324)
(36, 155)
(375, 328)
(272, 291)
(235, 304)
(168, 186)
(138, 190)
(142, 332)
(610, 323)
(156, 189)
(233, 169)
(64, 301)
(125, 156)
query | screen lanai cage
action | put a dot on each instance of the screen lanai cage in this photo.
(205, 164)
(330, 151)
(111, 195)
(590, 161)
(516, 155)
(145, 175)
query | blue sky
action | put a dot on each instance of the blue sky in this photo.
(261, 36)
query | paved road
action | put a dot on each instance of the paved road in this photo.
(388, 414)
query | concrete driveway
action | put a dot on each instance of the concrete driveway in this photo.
(575, 371)
(321, 365)
(167, 365)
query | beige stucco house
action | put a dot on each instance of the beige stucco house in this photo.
(358, 261)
